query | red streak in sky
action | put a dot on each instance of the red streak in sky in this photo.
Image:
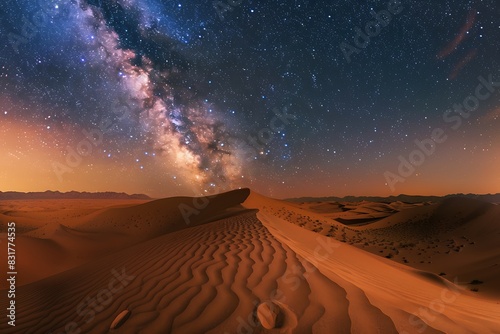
(452, 46)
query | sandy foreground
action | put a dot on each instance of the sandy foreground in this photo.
(184, 265)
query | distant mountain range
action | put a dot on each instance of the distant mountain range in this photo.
(492, 198)
(13, 195)
(10, 195)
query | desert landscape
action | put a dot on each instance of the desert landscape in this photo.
(240, 262)
(249, 167)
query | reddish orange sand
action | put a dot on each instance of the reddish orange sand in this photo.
(83, 263)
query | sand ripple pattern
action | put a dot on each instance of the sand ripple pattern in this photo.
(205, 279)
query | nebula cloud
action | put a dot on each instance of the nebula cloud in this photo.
(187, 133)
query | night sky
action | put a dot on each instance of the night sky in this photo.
(289, 98)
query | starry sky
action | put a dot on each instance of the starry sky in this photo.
(289, 98)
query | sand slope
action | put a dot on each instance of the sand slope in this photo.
(457, 238)
(56, 235)
(202, 279)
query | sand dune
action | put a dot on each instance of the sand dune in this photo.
(74, 232)
(455, 238)
(203, 278)
(359, 213)
(211, 276)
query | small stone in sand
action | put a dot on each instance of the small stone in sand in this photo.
(120, 319)
(269, 314)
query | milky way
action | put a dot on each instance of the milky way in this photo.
(186, 133)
